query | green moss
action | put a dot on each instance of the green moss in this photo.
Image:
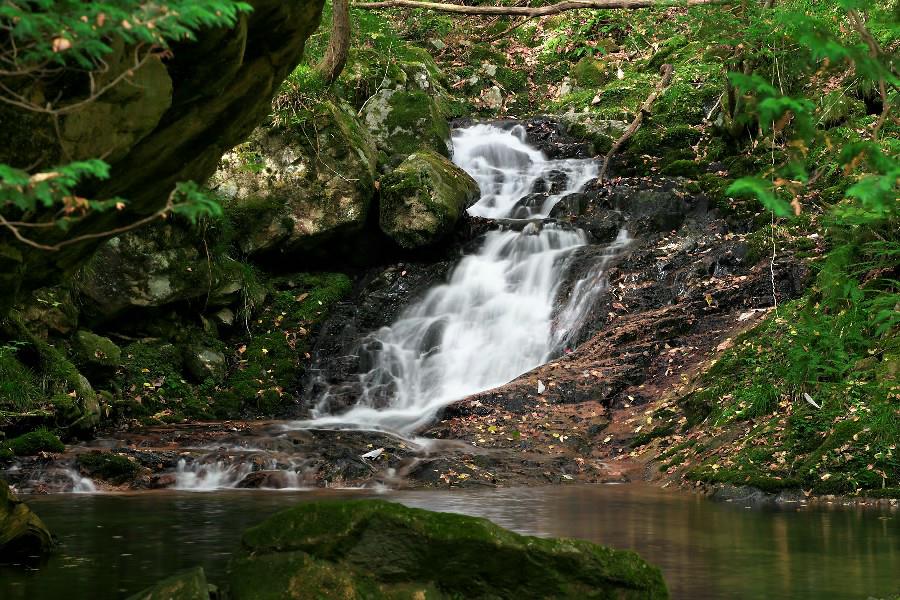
(34, 442)
(114, 468)
(270, 363)
(590, 72)
(415, 121)
(154, 387)
(385, 544)
(647, 436)
(682, 168)
(19, 388)
(807, 422)
(423, 198)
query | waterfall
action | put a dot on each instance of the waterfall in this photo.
(495, 317)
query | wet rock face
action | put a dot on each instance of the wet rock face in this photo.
(23, 536)
(298, 186)
(376, 549)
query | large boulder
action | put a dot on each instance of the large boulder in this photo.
(23, 536)
(377, 549)
(170, 121)
(155, 266)
(297, 186)
(423, 198)
(408, 109)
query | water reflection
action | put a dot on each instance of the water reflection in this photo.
(114, 545)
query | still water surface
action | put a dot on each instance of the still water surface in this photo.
(114, 545)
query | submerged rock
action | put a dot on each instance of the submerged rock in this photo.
(377, 549)
(23, 536)
(422, 200)
(187, 585)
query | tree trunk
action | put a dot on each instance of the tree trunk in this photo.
(336, 55)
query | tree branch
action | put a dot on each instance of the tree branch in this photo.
(528, 11)
(13, 227)
(667, 71)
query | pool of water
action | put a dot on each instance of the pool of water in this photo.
(114, 545)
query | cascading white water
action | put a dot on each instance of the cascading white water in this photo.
(494, 319)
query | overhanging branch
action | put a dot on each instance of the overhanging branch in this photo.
(528, 11)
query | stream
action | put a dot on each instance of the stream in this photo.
(503, 310)
(115, 544)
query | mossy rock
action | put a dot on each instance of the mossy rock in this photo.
(423, 198)
(682, 168)
(590, 72)
(836, 108)
(33, 375)
(34, 442)
(155, 266)
(378, 549)
(297, 186)
(23, 536)
(114, 468)
(400, 95)
(187, 585)
(96, 355)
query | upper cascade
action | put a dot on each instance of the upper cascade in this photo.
(498, 315)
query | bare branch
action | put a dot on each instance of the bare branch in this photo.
(13, 227)
(21, 102)
(667, 71)
(528, 11)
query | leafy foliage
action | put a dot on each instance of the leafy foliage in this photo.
(76, 32)
(45, 38)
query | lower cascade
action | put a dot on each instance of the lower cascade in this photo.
(500, 314)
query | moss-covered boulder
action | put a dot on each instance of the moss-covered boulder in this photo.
(39, 386)
(590, 72)
(295, 186)
(155, 266)
(108, 466)
(423, 198)
(50, 311)
(23, 536)
(167, 122)
(96, 355)
(408, 109)
(34, 442)
(205, 363)
(187, 585)
(377, 549)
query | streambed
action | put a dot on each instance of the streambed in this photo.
(115, 544)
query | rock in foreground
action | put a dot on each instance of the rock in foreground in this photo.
(23, 536)
(377, 549)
